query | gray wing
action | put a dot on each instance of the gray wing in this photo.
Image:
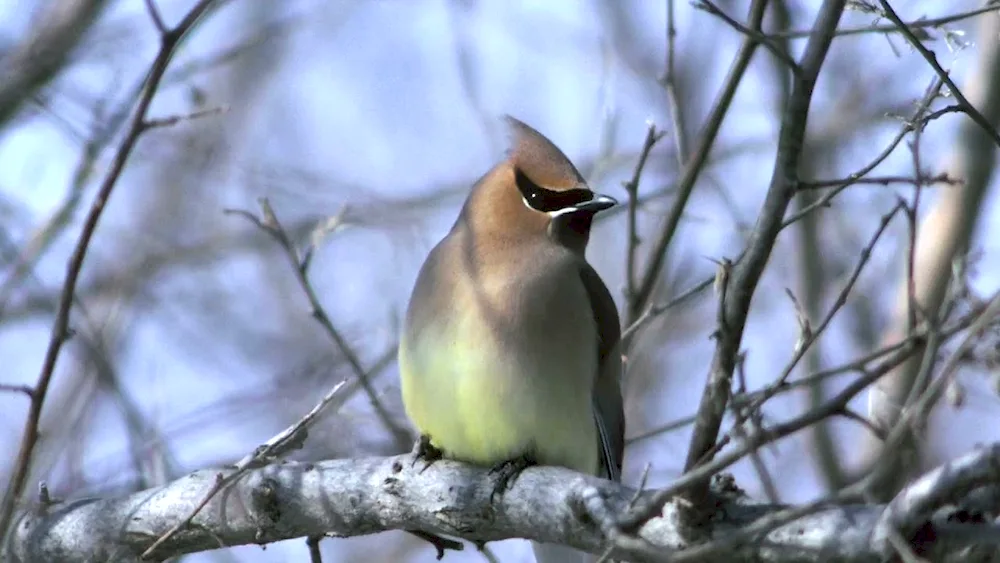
(609, 413)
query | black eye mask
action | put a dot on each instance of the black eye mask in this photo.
(548, 201)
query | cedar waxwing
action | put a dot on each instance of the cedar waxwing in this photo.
(510, 347)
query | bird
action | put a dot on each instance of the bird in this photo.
(510, 350)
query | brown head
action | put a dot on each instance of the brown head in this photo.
(535, 192)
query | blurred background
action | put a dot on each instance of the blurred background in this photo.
(193, 341)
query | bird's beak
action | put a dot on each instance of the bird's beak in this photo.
(599, 203)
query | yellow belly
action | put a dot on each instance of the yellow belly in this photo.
(481, 405)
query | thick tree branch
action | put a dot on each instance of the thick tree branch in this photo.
(356, 497)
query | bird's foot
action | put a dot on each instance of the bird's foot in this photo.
(507, 472)
(425, 451)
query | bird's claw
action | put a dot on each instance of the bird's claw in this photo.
(507, 472)
(424, 450)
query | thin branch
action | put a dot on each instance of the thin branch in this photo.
(288, 439)
(892, 28)
(747, 272)
(154, 14)
(300, 266)
(658, 309)
(921, 407)
(695, 164)
(60, 328)
(172, 120)
(931, 59)
(920, 118)
(841, 300)
(696, 477)
(26, 389)
(922, 180)
(856, 365)
(30, 66)
(669, 83)
(662, 429)
(632, 189)
(755, 34)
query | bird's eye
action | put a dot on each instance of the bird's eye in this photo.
(549, 201)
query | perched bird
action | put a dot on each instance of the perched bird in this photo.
(510, 347)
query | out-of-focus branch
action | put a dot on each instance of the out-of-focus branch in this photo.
(920, 25)
(669, 82)
(356, 497)
(812, 280)
(60, 25)
(693, 167)
(739, 288)
(920, 118)
(944, 236)
(776, 50)
(968, 108)
(268, 222)
(60, 330)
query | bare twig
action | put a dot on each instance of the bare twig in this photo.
(30, 66)
(288, 439)
(922, 23)
(920, 118)
(697, 477)
(813, 335)
(754, 34)
(154, 14)
(920, 408)
(632, 189)
(748, 270)
(669, 82)
(945, 236)
(695, 164)
(26, 389)
(300, 266)
(175, 119)
(60, 329)
(931, 59)
(658, 309)
(856, 365)
(923, 180)
(662, 429)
